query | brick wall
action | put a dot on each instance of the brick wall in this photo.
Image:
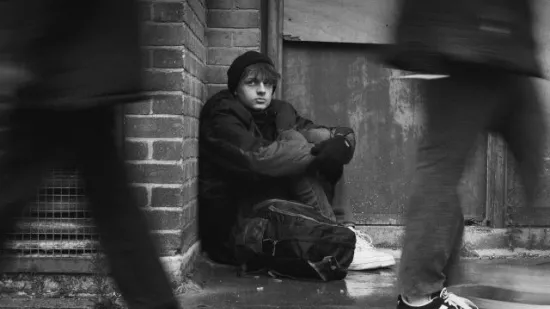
(161, 134)
(233, 27)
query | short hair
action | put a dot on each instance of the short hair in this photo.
(264, 72)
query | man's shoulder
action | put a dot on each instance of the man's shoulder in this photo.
(225, 103)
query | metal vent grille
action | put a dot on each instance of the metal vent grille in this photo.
(58, 223)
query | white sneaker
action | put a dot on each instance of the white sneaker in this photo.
(366, 256)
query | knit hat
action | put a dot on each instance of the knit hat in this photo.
(238, 66)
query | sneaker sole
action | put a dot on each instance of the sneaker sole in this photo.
(372, 265)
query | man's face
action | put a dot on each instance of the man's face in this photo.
(254, 93)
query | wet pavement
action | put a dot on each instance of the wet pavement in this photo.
(517, 281)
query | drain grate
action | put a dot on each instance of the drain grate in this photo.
(58, 223)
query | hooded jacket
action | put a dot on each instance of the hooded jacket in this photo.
(243, 160)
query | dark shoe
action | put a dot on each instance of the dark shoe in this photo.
(441, 300)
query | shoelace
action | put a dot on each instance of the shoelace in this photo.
(456, 301)
(367, 239)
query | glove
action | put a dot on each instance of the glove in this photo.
(331, 155)
(336, 150)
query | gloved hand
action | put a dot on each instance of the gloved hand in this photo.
(331, 155)
(336, 150)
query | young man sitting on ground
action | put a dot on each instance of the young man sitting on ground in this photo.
(253, 148)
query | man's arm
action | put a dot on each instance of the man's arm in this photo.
(315, 133)
(224, 137)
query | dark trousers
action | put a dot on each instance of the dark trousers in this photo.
(332, 200)
(330, 197)
(458, 109)
(38, 139)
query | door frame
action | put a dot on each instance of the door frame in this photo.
(272, 34)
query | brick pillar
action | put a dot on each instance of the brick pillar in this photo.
(162, 134)
(233, 28)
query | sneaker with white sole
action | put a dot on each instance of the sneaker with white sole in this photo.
(366, 256)
(441, 300)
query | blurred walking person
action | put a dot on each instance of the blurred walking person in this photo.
(64, 67)
(483, 52)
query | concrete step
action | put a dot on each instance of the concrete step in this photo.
(479, 241)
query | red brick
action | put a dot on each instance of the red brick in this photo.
(190, 149)
(213, 89)
(246, 38)
(193, 87)
(145, 11)
(166, 197)
(248, 4)
(192, 127)
(191, 107)
(190, 190)
(169, 12)
(163, 81)
(138, 108)
(233, 19)
(196, 47)
(140, 195)
(189, 211)
(168, 151)
(195, 24)
(190, 170)
(156, 173)
(219, 37)
(165, 35)
(136, 150)
(165, 220)
(223, 56)
(168, 104)
(220, 4)
(168, 244)
(192, 65)
(165, 58)
(153, 127)
(189, 236)
(216, 74)
(199, 9)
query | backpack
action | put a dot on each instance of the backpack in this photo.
(292, 240)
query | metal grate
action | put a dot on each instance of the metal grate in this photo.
(58, 223)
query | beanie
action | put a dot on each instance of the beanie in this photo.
(238, 66)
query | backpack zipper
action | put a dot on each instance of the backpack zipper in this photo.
(284, 212)
(274, 242)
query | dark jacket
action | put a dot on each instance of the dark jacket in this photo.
(447, 36)
(78, 53)
(242, 160)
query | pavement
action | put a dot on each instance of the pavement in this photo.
(494, 283)
(506, 283)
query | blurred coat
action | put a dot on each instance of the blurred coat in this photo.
(76, 53)
(443, 36)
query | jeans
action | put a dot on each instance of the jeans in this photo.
(458, 109)
(39, 139)
(331, 199)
